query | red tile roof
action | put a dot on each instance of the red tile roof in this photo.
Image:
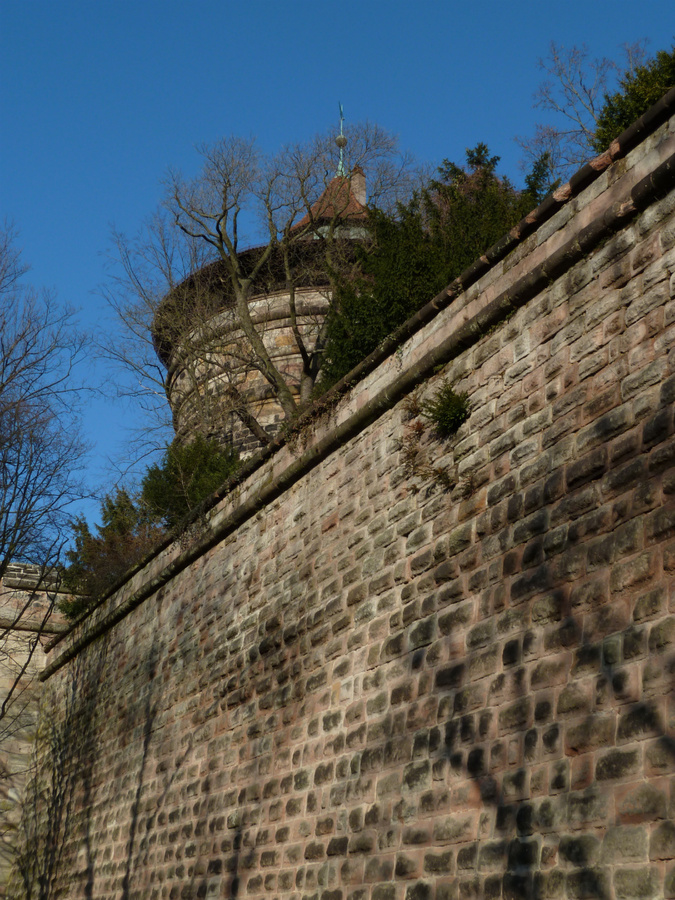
(337, 201)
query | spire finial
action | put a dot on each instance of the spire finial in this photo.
(341, 141)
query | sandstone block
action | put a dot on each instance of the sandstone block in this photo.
(636, 884)
(644, 720)
(642, 802)
(579, 850)
(662, 841)
(586, 883)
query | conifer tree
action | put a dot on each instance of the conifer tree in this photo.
(638, 90)
(414, 254)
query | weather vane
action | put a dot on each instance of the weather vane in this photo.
(341, 141)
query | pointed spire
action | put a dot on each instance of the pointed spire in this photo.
(344, 197)
(341, 141)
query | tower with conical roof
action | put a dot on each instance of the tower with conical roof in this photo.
(214, 382)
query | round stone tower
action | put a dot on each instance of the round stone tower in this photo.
(215, 383)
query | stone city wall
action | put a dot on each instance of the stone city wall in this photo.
(392, 667)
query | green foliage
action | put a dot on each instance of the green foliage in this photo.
(539, 182)
(639, 90)
(411, 257)
(399, 273)
(469, 209)
(447, 410)
(186, 475)
(100, 559)
(131, 527)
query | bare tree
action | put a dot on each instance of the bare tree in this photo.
(143, 271)
(572, 93)
(40, 445)
(192, 277)
(40, 456)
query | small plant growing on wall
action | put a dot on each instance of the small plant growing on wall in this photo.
(447, 410)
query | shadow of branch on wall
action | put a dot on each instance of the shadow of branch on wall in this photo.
(62, 799)
(568, 808)
(150, 706)
(62, 814)
(66, 751)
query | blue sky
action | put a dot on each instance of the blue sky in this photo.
(100, 97)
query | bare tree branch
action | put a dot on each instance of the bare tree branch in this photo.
(572, 95)
(214, 309)
(40, 456)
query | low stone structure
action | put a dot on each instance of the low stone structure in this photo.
(391, 667)
(27, 621)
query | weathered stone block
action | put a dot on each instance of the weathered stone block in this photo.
(517, 886)
(417, 776)
(580, 850)
(642, 721)
(642, 803)
(439, 863)
(524, 854)
(587, 883)
(617, 764)
(575, 699)
(516, 716)
(584, 808)
(662, 841)
(610, 425)
(386, 891)
(536, 580)
(589, 467)
(455, 829)
(636, 884)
